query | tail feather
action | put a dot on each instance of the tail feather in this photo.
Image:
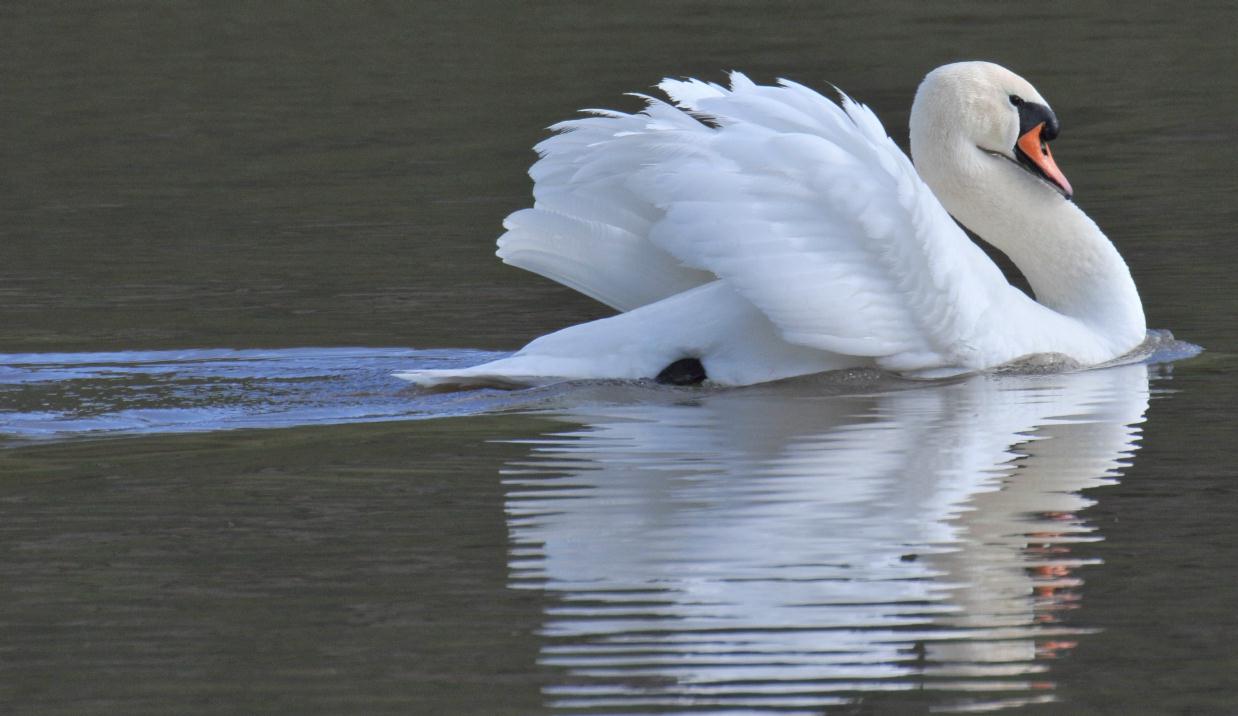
(735, 343)
(587, 229)
(604, 262)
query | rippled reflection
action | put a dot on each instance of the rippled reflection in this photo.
(783, 549)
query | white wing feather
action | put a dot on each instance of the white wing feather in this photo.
(587, 229)
(812, 213)
(810, 226)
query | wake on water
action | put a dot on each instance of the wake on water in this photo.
(76, 395)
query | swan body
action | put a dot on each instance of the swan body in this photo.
(769, 232)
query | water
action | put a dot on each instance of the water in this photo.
(223, 226)
(756, 549)
(73, 395)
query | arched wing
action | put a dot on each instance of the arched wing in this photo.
(588, 229)
(809, 210)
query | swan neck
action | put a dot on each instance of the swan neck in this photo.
(1071, 265)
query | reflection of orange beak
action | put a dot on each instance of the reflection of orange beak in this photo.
(1037, 152)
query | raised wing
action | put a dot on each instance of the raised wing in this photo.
(804, 207)
(810, 211)
(587, 229)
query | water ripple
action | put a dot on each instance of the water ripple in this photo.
(65, 395)
(778, 549)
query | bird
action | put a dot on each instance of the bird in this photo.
(751, 233)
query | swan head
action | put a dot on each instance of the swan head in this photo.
(973, 122)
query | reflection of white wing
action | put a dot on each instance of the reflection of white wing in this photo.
(764, 536)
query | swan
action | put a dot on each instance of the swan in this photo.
(752, 233)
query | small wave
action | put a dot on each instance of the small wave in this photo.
(68, 395)
(74, 395)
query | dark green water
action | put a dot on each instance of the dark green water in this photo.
(280, 180)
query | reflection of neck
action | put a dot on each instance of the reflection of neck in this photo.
(1071, 266)
(1016, 537)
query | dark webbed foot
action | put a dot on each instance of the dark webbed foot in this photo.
(685, 371)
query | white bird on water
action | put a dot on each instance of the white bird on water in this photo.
(754, 233)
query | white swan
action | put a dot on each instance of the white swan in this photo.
(762, 232)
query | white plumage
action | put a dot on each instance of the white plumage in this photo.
(769, 232)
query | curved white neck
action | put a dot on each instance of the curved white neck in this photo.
(1072, 267)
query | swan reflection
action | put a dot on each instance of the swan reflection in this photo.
(786, 547)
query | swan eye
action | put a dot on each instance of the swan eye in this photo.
(1016, 100)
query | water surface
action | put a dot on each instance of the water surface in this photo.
(212, 501)
(764, 550)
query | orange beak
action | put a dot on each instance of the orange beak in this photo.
(1036, 150)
